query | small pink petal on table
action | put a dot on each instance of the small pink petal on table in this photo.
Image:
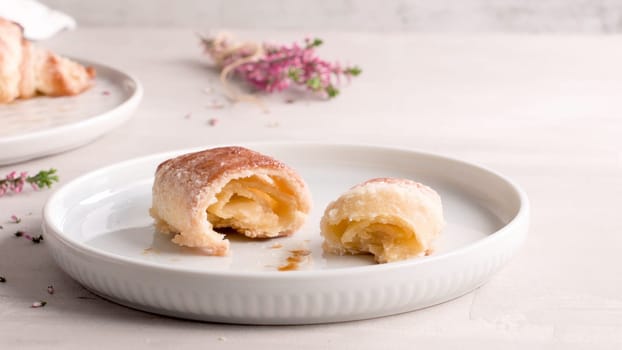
(37, 304)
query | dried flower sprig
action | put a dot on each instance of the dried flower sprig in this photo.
(270, 67)
(34, 239)
(15, 183)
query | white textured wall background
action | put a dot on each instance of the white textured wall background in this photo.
(532, 16)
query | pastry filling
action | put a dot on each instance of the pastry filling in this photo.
(386, 241)
(255, 206)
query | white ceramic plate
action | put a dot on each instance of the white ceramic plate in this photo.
(100, 233)
(46, 125)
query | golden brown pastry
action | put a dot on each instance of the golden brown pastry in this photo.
(393, 219)
(26, 70)
(228, 187)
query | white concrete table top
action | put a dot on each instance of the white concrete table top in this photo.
(544, 110)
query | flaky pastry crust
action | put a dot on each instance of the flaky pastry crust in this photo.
(26, 70)
(393, 219)
(227, 187)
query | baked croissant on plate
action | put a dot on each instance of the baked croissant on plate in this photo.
(227, 188)
(393, 219)
(26, 70)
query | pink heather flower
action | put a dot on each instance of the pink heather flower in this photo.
(277, 67)
(12, 182)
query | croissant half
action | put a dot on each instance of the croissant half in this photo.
(393, 219)
(26, 70)
(227, 188)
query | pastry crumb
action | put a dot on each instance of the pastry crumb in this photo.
(301, 252)
(148, 251)
(222, 339)
(293, 261)
(276, 246)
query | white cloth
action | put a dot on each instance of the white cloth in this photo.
(39, 21)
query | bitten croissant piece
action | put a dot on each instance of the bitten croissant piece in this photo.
(26, 70)
(228, 187)
(393, 219)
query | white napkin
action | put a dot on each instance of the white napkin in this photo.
(39, 21)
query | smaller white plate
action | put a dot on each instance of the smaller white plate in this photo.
(99, 231)
(42, 125)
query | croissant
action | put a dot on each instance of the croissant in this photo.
(227, 188)
(393, 219)
(26, 70)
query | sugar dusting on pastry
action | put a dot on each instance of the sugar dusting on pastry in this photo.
(197, 194)
(390, 218)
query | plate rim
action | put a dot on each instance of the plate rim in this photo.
(49, 224)
(136, 95)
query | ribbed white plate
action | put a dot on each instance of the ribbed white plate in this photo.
(100, 233)
(42, 125)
